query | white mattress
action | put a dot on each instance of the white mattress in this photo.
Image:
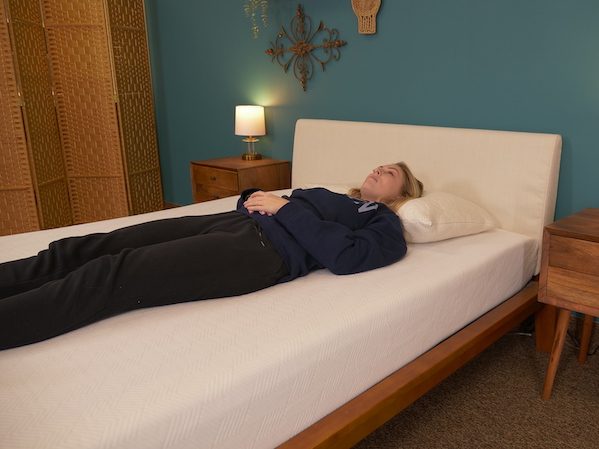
(250, 371)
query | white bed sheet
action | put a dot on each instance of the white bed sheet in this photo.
(249, 371)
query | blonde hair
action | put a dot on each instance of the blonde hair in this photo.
(412, 188)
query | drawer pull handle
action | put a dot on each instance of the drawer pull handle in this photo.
(212, 178)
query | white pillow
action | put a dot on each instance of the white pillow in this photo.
(440, 215)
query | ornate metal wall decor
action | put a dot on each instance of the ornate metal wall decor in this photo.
(303, 53)
(366, 11)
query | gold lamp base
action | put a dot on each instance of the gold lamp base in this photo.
(251, 154)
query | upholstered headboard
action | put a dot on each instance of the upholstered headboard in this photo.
(513, 175)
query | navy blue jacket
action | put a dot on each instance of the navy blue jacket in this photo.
(319, 228)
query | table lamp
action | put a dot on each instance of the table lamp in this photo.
(249, 121)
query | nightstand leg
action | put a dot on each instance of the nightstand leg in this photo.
(545, 320)
(585, 339)
(558, 344)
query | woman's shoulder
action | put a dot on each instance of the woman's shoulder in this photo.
(318, 191)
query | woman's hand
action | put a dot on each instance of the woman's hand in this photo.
(264, 203)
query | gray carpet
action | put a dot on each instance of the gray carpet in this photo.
(494, 402)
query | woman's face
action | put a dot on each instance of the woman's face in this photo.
(383, 184)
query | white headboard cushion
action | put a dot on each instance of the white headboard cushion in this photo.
(513, 175)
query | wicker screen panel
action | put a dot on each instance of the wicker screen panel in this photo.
(139, 133)
(18, 212)
(127, 14)
(40, 116)
(143, 187)
(42, 130)
(14, 164)
(92, 198)
(131, 61)
(50, 195)
(136, 109)
(14, 218)
(25, 10)
(84, 97)
(82, 76)
(73, 12)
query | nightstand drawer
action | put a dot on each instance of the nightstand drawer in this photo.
(213, 193)
(578, 288)
(574, 254)
(210, 177)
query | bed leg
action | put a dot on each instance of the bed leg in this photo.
(545, 321)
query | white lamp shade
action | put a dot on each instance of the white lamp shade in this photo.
(249, 121)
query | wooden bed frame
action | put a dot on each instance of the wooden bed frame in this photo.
(512, 175)
(359, 417)
(319, 142)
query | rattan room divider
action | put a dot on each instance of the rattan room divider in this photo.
(78, 129)
(18, 212)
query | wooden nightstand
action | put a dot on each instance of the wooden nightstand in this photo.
(570, 278)
(228, 176)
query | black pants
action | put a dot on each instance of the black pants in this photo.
(79, 280)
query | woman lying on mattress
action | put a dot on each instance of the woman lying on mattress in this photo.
(269, 239)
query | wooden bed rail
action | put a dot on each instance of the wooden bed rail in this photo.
(351, 422)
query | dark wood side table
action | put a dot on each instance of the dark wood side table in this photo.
(569, 279)
(228, 176)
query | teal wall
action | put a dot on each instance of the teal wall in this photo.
(523, 65)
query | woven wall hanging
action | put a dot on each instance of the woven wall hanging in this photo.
(366, 11)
